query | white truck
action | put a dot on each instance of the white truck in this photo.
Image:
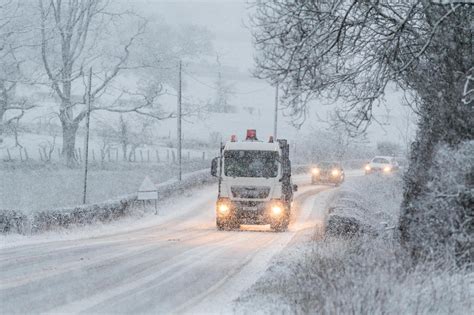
(255, 186)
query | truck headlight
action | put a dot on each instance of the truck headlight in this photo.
(387, 169)
(335, 172)
(315, 171)
(223, 207)
(367, 167)
(276, 210)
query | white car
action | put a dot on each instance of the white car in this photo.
(382, 164)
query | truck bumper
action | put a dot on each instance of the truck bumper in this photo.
(253, 212)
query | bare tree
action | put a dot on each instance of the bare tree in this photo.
(76, 35)
(405, 128)
(72, 40)
(124, 136)
(13, 30)
(223, 92)
(47, 149)
(351, 50)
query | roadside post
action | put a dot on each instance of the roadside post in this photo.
(148, 191)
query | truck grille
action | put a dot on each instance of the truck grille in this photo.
(250, 192)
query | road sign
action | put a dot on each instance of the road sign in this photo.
(148, 191)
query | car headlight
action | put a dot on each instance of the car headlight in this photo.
(335, 172)
(387, 169)
(367, 167)
(276, 210)
(315, 171)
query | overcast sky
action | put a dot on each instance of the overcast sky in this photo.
(228, 21)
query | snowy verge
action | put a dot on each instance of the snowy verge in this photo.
(355, 276)
(368, 274)
(12, 221)
(365, 205)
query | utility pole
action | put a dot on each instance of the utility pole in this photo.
(179, 121)
(86, 150)
(275, 123)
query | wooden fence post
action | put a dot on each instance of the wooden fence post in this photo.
(26, 154)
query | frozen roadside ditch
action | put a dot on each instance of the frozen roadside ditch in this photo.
(358, 272)
(14, 221)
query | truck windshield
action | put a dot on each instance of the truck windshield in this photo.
(242, 163)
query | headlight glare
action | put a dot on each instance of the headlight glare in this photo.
(335, 172)
(276, 210)
(315, 171)
(223, 207)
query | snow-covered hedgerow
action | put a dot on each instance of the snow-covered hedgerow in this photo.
(12, 221)
(367, 274)
(356, 276)
(443, 223)
(368, 204)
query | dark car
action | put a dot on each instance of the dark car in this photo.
(327, 173)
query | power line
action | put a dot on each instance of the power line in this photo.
(215, 88)
(123, 90)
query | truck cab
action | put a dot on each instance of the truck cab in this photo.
(254, 183)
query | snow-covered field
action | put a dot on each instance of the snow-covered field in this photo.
(361, 275)
(31, 190)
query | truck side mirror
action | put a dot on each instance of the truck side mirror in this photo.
(295, 187)
(214, 166)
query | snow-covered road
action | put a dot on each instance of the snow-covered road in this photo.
(181, 264)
